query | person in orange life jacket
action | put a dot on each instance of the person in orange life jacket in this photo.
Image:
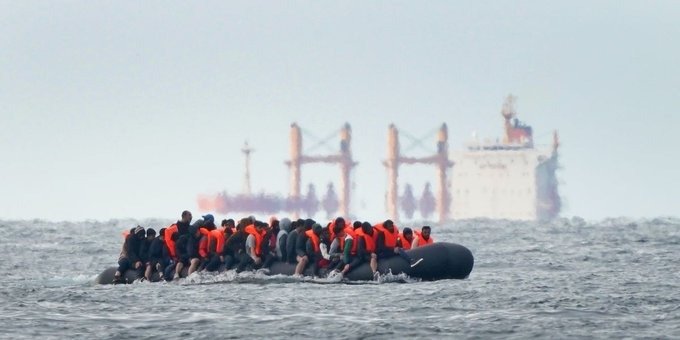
(423, 238)
(366, 250)
(159, 256)
(194, 249)
(312, 250)
(356, 225)
(341, 247)
(406, 238)
(179, 228)
(387, 242)
(212, 245)
(255, 247)
(130, 255)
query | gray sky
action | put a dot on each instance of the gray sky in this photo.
(131, 109)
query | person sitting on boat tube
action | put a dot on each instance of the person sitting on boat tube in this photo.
(282, 239)
(312, 250)
(130, 254)
(196, 249)
(422, 238)
(159, 256)
(254, 255)
(387, 242)
(366, 250)
(406, 238)
(234, 248)
(297, 228)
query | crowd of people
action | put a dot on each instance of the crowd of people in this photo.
(338, 247)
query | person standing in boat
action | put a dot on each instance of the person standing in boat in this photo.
(422, 238)
(130, 255)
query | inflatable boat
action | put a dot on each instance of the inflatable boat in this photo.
(439, 261)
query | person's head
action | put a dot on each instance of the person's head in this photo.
(209, 218)
(285, 224)
(340, 221)
(186, 216)
(408, 234)
(194, 230)
(223, 223)
(339, 230)
(200, 223)
(325, 235)
(356, 225)
(150, 234)
(275, 225)
(230, 223)
(139, 232)
(161, 233)
(425, 231)
(259, 226)
(309, 223)
(389, 225)
(316, 229)
(367, 228)
(300, 227)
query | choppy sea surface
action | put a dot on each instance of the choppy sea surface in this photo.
(614, 278)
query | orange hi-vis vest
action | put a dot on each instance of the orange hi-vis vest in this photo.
(422, 241)
(315, 240)
(406, 244)
(203, 247)
(169, 231)
(390, 237)
(250, 229)
(368, 239)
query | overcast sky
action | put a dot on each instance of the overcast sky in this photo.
(113, 109)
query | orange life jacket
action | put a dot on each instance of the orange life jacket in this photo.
(217, 240)
(348, 224)
(315, 240)
(126, 232)
(169, 231)
(368, 239)
(250, 229)
(203, 247)
(341, 241)
(406, 244)
(390, 237)
(422, 241)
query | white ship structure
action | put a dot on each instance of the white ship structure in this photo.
(507, 179)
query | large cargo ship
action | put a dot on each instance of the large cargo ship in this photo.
(506, 179)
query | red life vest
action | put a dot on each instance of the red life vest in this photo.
(406, 244)
(169, 231)
(250, 229)
(422, 241)
(390, 237)
(368, 239)
(315, 240)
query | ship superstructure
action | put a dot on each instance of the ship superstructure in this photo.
(508, 179)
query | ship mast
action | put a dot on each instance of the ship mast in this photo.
(247, 150)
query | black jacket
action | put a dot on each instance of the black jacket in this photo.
(291, 244)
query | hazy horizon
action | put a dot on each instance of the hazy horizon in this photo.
(132, 109)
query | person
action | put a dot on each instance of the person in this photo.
(159, 256)
(311, 253)
(144, 248)
(406, 238)
(180, 227)
(282, 238)
(422, 238)
(197, 245)
(386, 238)
(216, 239)
(130, 254)
(291, 242)
(387, 243)
(253, 255)
(341, 247)
(234, 246)
(366, 250)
